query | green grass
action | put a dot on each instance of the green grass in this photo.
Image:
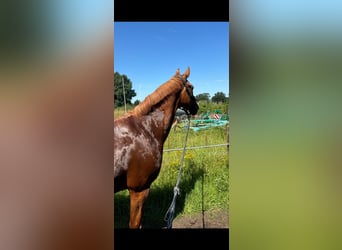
(121, 110)
(204, 183)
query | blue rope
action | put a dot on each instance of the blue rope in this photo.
(171, 211)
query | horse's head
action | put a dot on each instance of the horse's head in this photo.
(187, 100)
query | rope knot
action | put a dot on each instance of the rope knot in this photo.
(176, 191)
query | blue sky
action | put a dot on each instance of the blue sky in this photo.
(79, 20)
(150, 52)
(286, 19)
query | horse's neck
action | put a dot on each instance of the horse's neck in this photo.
(169, 110)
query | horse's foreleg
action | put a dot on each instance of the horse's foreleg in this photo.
(137, 200)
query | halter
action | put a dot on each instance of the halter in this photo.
(184, 81)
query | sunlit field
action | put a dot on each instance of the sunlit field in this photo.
(204, 180)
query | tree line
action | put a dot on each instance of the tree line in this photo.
(123, 91)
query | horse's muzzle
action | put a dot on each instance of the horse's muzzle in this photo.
(193, 109)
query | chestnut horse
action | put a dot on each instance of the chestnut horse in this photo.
(139, 136)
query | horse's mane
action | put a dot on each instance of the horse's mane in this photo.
(161, 93)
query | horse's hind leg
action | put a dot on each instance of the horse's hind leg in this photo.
(137, 200)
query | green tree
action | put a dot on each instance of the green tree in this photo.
(121, 95)
(203, 97)
(137, 102)
(219, 97)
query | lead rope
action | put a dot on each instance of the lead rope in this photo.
(171, 211)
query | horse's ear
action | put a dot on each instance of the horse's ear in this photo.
(177, 72)
(186, 73)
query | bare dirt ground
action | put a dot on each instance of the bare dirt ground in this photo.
(208, 219)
